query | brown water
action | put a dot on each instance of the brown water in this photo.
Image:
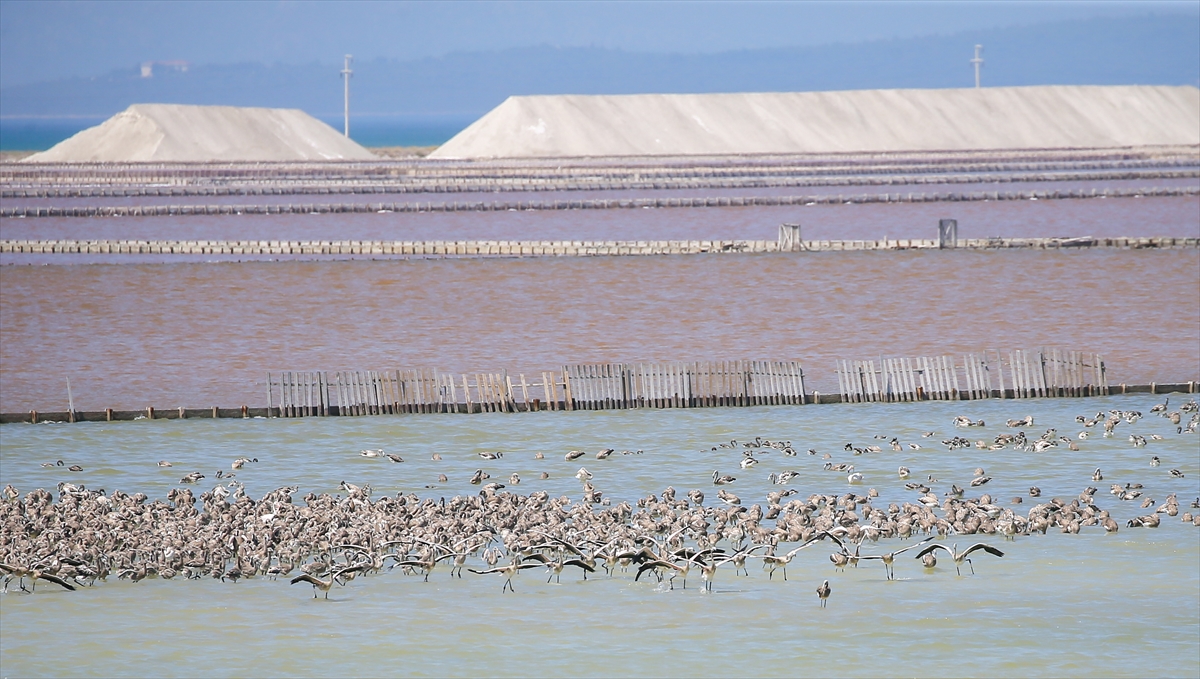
(202, 334)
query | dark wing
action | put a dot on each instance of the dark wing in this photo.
(57, 580)
(349, 569)
(537, 557)
(930, 548)
(831, 536)
(651, 565)
(640, 556)
(566, 545)
(987, 548)
(815, 538)
(416, 564)
(306, 578)
(577, 562)
(901, 551)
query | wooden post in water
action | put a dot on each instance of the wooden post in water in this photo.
(1015, 373)
(568, 396)
(1000, 373)
(341, 397)
(837, 365)
(323, 392)
(789, 238)
(947, 233)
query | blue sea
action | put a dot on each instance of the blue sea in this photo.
(39, 134)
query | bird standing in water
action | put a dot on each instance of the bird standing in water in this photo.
(823, 592)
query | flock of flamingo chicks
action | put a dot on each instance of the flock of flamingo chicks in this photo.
(84, 536)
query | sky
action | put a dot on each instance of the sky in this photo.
(45, 40)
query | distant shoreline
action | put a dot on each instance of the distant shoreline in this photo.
(386, 152)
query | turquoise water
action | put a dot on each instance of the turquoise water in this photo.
(1107, 605)
(39, 134)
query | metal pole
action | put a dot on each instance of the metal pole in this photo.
(346, 73)
(977, 61)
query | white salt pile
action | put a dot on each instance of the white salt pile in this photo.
(832, 122)
(178, 133)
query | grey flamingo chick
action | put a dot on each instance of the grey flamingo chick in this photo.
(823, 592)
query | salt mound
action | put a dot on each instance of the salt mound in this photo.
(832, 122)
(174, 132)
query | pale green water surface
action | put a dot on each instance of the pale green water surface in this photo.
(1056, 605)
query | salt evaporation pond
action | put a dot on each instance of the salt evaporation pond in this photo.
(1091, 604)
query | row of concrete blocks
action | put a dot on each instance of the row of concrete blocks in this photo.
(553, 248)
(423, 184)
(591, 204)
(614, 168)
(444, 248)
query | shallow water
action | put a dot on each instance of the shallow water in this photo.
(1107, 605)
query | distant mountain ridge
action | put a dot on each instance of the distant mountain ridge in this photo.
(1151, 50)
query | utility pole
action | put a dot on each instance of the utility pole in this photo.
(978, 61)
(346, 73)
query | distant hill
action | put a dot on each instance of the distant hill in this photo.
(1151, 50)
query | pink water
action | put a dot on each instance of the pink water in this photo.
(1178, 216)
(202, 334)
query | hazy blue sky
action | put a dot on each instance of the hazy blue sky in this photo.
(46, 39)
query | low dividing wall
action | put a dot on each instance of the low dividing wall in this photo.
(24, 211)
(551, 248)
